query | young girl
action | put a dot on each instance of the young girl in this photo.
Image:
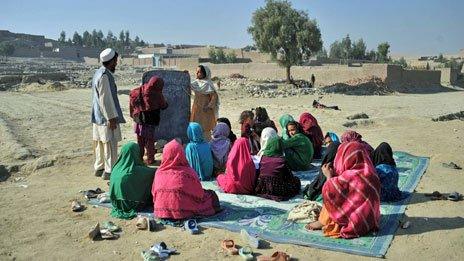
(146, 114)
(247, 129)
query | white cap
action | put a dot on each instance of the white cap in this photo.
(107, 55)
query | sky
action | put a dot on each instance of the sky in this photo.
(412, 27)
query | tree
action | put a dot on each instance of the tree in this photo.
(358, 50)
(6, 49)
(126, 38)
(382, 52)
(441, 59)
(231, 57)
(212, 55)
(402, 62)
(371, 55)
(137, 41)
(87, 39)
(346, 47)
(220, 55)
(77, 39)
(62, 38)
(336, 50)
(287, 34)
(100, 39)
(322, 53)
(122, 37)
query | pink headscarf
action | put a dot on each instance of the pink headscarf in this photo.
(177, 191)
(240, 174)
(352, 196)
(351, 135)
(312, 128)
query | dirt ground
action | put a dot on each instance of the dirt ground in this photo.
(52, 129)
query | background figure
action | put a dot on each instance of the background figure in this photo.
(106, 115)
(130, 183)
(220, 146)
(146, 103)
(177, 191)
(205, 108)
(385, 165)
(262, 121)
(247, 131)
(313, 81)
(232, 136)
(313, 131)
(198, 152)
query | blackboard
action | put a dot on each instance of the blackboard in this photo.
(175, 119)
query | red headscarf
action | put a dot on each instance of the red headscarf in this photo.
(177, 191)
(351, 135)
(240, 174)
(312, 129)
(352, 196)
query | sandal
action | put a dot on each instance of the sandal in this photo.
(76, 206)
(162, 250)
(435, 195)
(88, 194)
(246, 253)
(110, 226)
(107, 234)
(192, 226)
(103, 198)
(277, 256)
(143, 223)
(150, 255)
(454, 196)
(253, 241)
(95, 231)
(229, 246)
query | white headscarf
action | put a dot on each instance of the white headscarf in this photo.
(266, 135)
(205, 85)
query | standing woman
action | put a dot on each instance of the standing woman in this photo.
(205, 108)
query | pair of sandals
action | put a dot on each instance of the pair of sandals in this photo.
(191, 225)
(247, 253)
(145, 223)
(88, 194)
(106, 231)
(453, 196)
(158, 251)
(77, 206)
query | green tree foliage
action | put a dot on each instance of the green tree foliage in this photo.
(77, 39)
(62, 38)
(358, 50)
(371, 55)
(346, 47)
(87, 39)
(402, 62)
(287, 34)
(6, 49)
(382, 52)
(231, 57)
(322, 53)
(336, 50)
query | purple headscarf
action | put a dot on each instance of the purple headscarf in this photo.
(220, 143)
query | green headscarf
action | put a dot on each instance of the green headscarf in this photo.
(273, 148)
(298, 152)
(284, 120)
(130, 183)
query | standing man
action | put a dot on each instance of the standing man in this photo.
(313, 81)
(106, 115)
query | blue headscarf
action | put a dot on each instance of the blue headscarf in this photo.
(333, 137)
(198, 152)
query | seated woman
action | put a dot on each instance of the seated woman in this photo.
(232, 137)
(351, 135)
(312, 130)
(220, 146)
(385, 165)
(283, 121)
(198, 152)
(177, 191)
(246, 121)
(313, 190)
(275, 180)
(262, 121)
(266, 134)
(130, 183)
(298, 149)
(351, 198)
(240, 174)
(330, 137)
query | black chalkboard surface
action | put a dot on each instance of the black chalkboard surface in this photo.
(175, 119)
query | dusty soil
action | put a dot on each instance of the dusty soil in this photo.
(47, 137)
